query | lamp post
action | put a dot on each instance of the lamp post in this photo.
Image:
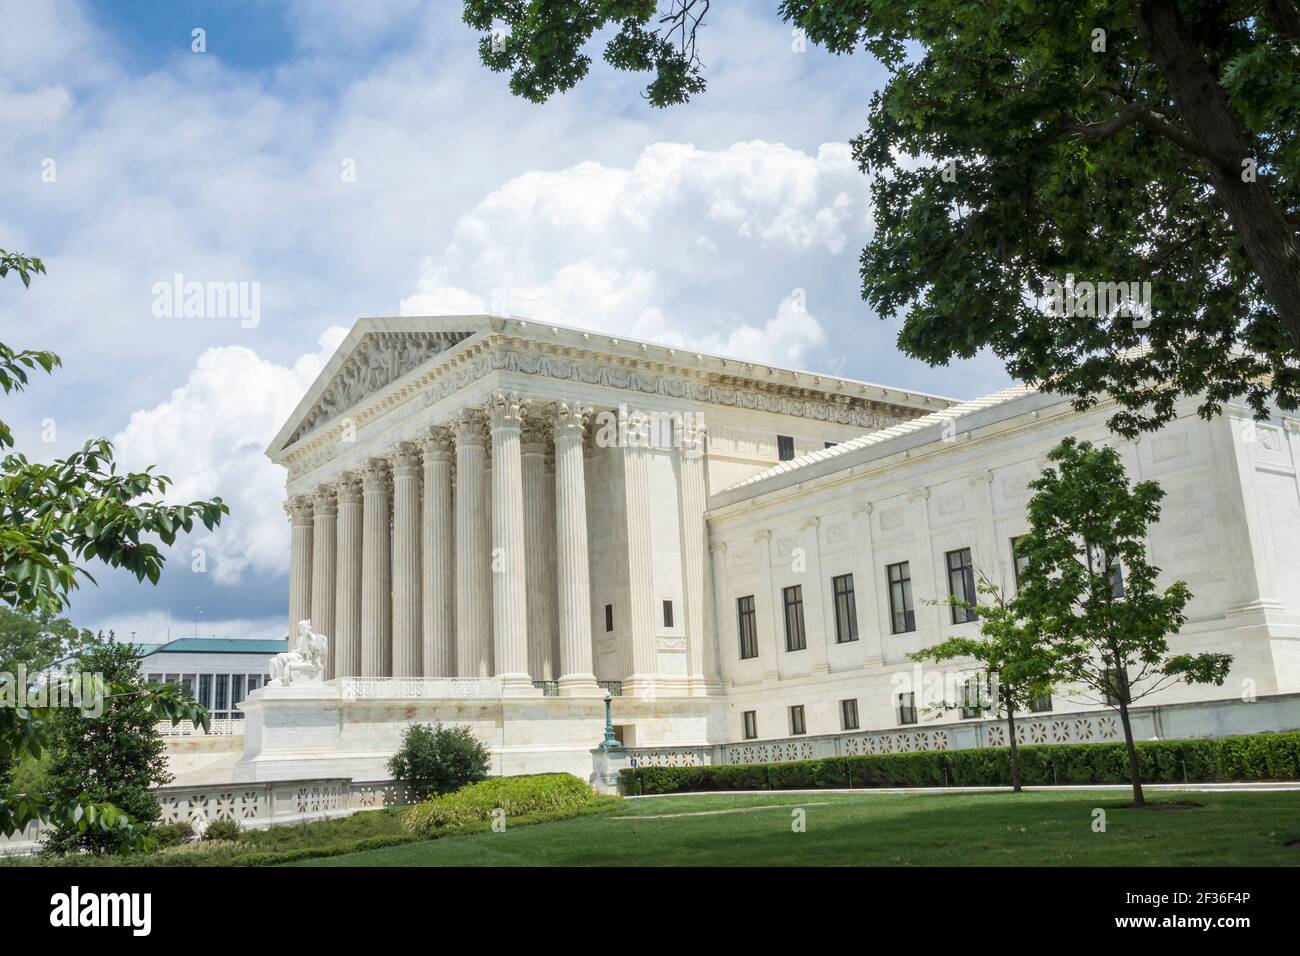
(610, 742)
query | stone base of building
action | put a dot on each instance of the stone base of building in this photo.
(351, 727)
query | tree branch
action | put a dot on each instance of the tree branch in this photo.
(1133, 112)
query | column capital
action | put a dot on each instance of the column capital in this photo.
(347, 488)
(375, 475)
(505, 410)
(323, 501)
(299, 508)
(536, 435)
(437, 444)
(405, 459)
(469, 428)
(571, 419)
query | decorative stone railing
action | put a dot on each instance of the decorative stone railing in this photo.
(1200, 719)
(405, 688)
(254, 805)
(216, 728)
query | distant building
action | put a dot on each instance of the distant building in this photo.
(219, 672)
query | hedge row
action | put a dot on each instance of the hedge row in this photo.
(1257, 757)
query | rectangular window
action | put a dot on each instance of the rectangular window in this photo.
(1116, 574)
(846, 612)
(784, 447)
(609, 618)
(848, 715)
(792, 600)
(750, 720)
(205, 690)
(907, 708)
(1116, 679)
(797, 725)
(236, 694)
(223, 695)
(748, 627)
(253, 682)
(970, 698)
(961, 584)
(1041, 705)
(1018, 564)
(668, 613)
(900, 598)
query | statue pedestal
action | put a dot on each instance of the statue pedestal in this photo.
(606, 762)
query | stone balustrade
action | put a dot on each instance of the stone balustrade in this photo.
(254, 805)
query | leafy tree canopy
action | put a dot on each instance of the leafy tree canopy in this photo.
(1017, 145)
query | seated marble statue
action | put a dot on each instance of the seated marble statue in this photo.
(305, 664)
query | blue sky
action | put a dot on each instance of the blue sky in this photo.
(699, 225)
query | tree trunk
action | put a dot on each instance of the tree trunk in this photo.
(1015, 752)
(1138, 799)
(1259, 224)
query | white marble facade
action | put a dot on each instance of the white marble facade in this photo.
(530, 510)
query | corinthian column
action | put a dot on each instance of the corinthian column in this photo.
(407, 642)
(692, 499)
(473, 563)
(573, 573)
(509, 587)
(323, 555)
(438, 572)
(376, 574)
(639, 657)
(347, 602)
(539, 553)
(299, 510)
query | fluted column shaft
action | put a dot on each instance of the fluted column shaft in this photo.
(539, 557)
(473, 562)
(300, 518)
(639, 658)
(571, 557)
(692, 497)
(376, 574)
(347, 601)
(323, 557)
(407, 589)
(438, 655)
(509, 586)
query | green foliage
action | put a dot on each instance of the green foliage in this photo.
(172, 834)
(437, 759)
(518, 796)
(36, 640)
(1105, 634)
(1008, 150)
(115, 759)
(1256, 757)
(222, 830)
(53, 518)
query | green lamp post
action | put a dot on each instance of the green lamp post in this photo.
(610, 742)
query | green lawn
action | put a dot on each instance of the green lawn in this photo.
(889, 829)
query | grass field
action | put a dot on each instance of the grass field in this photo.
(890, 829)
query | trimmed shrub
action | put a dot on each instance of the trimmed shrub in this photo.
(1257, 757)
(434, 759)
(222, 830)
(173, 834)
(517, 796)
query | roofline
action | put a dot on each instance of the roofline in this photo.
(481, 326)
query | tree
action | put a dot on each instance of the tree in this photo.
(36, 640)
(53, 519)
(1089, 595)
(1018, 145)
(1018, 670)
(114, 759)
(436, 759)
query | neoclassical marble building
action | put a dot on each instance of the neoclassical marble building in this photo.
(494, 521)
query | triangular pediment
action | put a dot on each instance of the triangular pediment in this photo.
(373, 356)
